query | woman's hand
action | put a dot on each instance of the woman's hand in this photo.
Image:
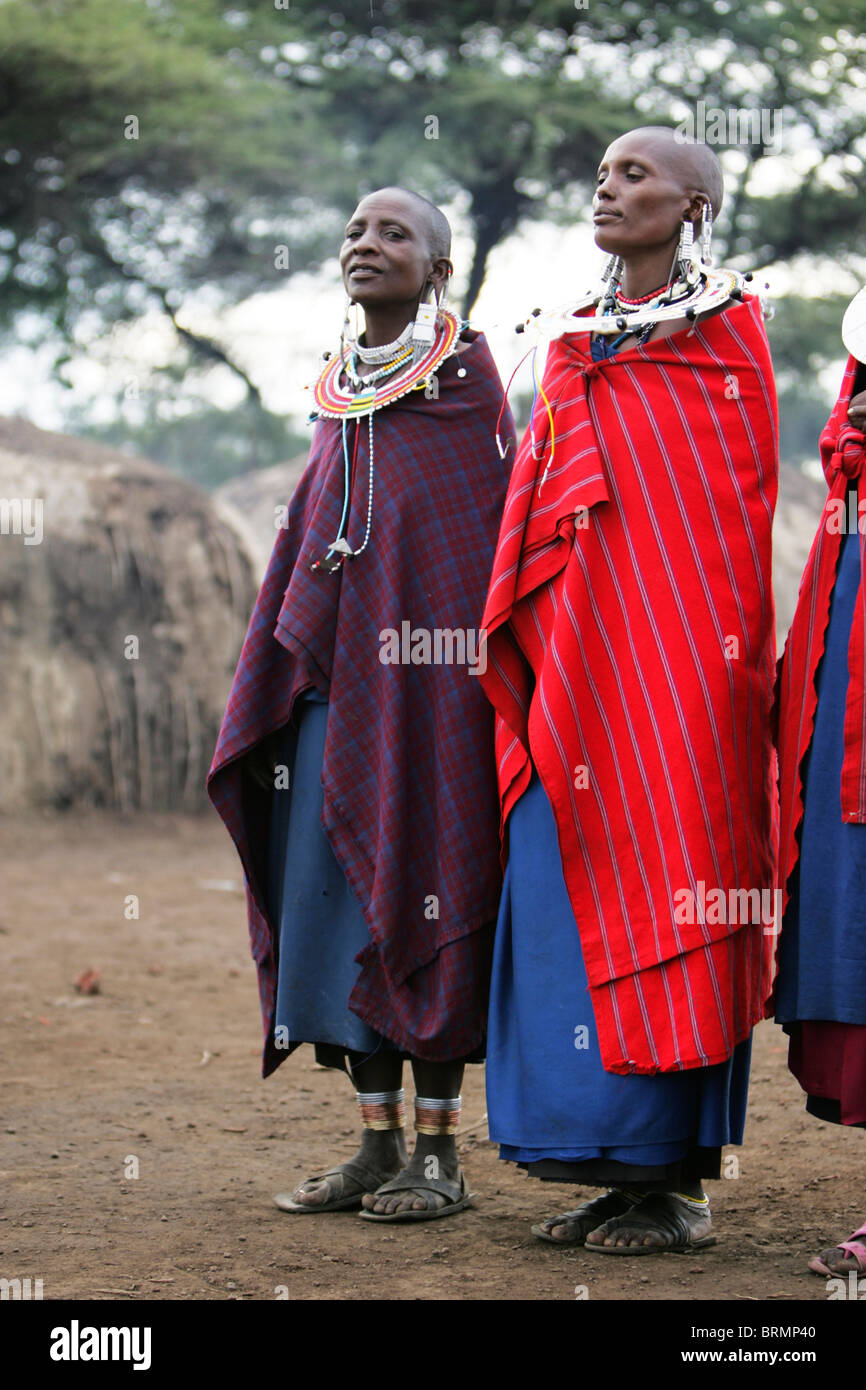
(857, 412)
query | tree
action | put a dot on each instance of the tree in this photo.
(526, 98)
(143, 161)
(154, 149)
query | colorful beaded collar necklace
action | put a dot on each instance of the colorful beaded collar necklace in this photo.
(364, 396)
(337, 400)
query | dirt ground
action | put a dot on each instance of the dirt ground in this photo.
(159, 1073)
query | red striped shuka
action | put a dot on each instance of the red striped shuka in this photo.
(843, 457)
(631, 659)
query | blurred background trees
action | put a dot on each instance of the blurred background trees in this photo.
(155, 154)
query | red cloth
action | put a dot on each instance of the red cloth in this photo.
(631, 658)
(829, 1061)
(843, 456)
(410, 805)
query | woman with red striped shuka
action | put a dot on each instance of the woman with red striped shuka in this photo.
(820, 995)
(631, 661)
(354, 767)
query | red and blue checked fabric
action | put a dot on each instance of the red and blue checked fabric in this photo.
(631, 659)
(843, 456)
(410, 801)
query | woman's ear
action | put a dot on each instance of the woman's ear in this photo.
(695, 208)
(440, 273)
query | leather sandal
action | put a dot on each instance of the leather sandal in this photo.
(587, 1217)
(456, 1192)
(656, 1213)
(367, 1179)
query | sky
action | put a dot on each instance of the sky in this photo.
(279, 336)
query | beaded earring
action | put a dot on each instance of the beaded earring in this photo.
(685, 253)
(611, 276)
(347, 336)
(706, 234)
(613, 269)
(424, 328)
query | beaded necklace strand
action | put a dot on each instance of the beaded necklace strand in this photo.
(395, 375)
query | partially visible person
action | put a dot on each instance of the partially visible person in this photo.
(354, 767)
(820, 996)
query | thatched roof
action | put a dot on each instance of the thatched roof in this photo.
(251, 504)
(129, 550)
(130, 556)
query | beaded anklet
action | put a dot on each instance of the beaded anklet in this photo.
(382, 1109)
(435, 1116)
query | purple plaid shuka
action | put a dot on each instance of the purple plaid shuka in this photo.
(410, 797)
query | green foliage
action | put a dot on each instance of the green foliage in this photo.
(143, 159)
(258, 126)
(527, 96)
(804, 337)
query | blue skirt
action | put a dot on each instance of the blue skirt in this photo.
(822, 952)
(321, 925)
(551, 1104)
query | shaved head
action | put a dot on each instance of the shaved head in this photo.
(693, 163)
(395, 249)
(435, 222)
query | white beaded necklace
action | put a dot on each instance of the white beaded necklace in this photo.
(386, 353)
(340, 548)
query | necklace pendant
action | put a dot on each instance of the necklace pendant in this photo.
(327, 565)
(338, 551)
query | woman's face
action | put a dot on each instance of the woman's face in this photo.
(640, 200)
(385, 257)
